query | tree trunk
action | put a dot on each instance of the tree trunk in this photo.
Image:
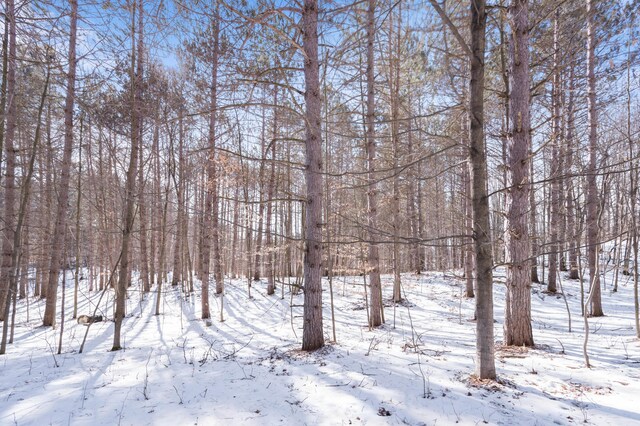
(411, 205)
(218, 273)
(517, 322)
(236, 225)
(554, 222)
(10, 155)
(130, 190)
(270, 194)
(178, 183)
(21, 220)
(58, 239)
(533, 225)
(592, 189)
(394, 74)
(485, 361)
(469, 262)
(76, 279)
(210, 224)
(570, 198)
(312, 335)
(375, 317)
(258, 248)
(3, 86)
(155, 202)
(142, 211)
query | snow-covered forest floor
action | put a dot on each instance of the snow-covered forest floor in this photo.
(178, 370)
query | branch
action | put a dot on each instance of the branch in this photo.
(452, 27)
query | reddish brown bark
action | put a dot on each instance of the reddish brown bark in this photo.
(10, 184)
(517, 322)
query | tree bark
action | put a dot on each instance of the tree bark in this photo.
(554, 223)
(375, 317)
(312, 334)
(394, 74)
(142, 211)
(469, 263)
(3, 85)
(411, 205)
(257, 262)
(270, 194)
(178, 176)
(130, 190)
(517, 322)
(57, 243)
(210, 223)
(155, 203)
(570, 198)
(18, 240)
(485, 360)
(592, 188)
(236, 225)
(10, 158)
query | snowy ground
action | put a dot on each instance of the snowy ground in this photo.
(177, 370)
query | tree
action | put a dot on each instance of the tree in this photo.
(312, 334)
(57, 243)
(485, 360)
(19, 237)
(375, 318)
(9, 138)
(210, 222)
(592, 188)
(517, 317)
(129, 204)
(477, 162)
(270, 194)
(394, 91)
(570, 198)
(556, 134)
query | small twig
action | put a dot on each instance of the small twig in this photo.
(55, 361)
(177, 393)
(122, 408)
(371, 345)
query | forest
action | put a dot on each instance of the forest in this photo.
(319, 212)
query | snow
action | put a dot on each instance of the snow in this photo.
(177, 369)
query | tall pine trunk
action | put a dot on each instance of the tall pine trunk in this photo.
(130, 190)
(210, 223)
(517, 322)
(58, 238)
(312, 334)
(485, 360)
(554, 223)
(570, 198)
(375, 317)
(142, 211)
(178, 176)
(10, 158)
(394, 74)
(270, 203)
(592, 189)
